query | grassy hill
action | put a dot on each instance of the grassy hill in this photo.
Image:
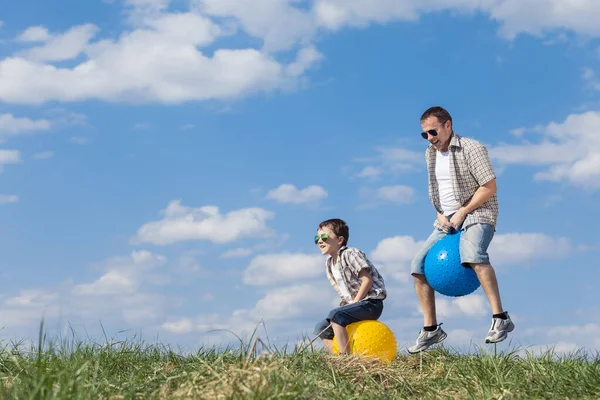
(130, 370)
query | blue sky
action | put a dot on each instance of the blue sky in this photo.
(164, 165)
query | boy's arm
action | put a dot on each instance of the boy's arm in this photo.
(366, 282)
(361, 266)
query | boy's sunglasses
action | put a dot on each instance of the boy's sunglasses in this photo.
(432, 132)
(323, 237)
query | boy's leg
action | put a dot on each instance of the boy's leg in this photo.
(325, 332)
(431, 332)
(343, 316)
(341, 336)
(474, 244)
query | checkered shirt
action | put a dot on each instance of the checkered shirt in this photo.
(353, 261)
(470, 168)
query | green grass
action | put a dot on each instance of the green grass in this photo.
(134, 370)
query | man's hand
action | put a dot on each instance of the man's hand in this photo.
(443, 221)
(458, 218)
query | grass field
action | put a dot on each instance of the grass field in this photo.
(134, 370)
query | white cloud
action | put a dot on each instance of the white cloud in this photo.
(398, 194)
(538, 17)
(9, 157)
(567, 338)
(527, 248)
(182, 325)
(28, 307)
(44, 155)
(393, 256)
(78, 139)
(35, 34)
(534, 17)
(570, 151)
(182, 223)
(235, 253)
(12, 126)
(288, 193)
(369, 172)
(293, 302)
(590, 78)
(8, 198)
(160, 60)
(124, 275)
(66, 46)
(271, 269)
(473, 305)
(391, 160)
(276, 22)
(281, 307)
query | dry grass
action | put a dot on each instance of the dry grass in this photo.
(127, 370)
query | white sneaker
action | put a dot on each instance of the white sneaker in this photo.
(499, 329)
(426, 339)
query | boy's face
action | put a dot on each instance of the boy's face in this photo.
(332, 244)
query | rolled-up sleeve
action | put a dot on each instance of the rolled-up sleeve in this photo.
(357, 260)
(480, 165)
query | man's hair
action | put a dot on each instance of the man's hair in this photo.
(338, 227)
(439, 112)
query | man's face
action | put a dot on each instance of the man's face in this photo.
(442, 139)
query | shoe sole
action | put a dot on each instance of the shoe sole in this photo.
(423, 348)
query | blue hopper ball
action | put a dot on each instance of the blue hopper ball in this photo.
(444, 271)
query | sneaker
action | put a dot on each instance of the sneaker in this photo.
(427, 339)
(499, 329)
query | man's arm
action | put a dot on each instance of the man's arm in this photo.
(483, 194)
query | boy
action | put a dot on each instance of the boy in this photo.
(353, 277)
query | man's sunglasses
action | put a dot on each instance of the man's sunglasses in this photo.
(323, 237)
(432, 132)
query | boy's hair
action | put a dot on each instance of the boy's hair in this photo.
(338, 226)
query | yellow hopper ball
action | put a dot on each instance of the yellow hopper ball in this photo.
(371, 339)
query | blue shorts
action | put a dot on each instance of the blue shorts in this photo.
(474, 243)
(368, 309)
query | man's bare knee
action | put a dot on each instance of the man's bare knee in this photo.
(480, 267)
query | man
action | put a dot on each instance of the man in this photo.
(462, 189)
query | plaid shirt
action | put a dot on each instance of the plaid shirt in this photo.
(470, 168)
(353, 261)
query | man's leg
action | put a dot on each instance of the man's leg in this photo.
(474, 243)
(431, 333)
(426, 296)
(489, 283)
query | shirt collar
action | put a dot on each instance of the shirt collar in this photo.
(329, 257)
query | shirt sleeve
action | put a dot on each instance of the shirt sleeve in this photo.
(480, 165)
(357, 260)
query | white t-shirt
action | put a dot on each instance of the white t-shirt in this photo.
(442, 174)
(336, 271)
